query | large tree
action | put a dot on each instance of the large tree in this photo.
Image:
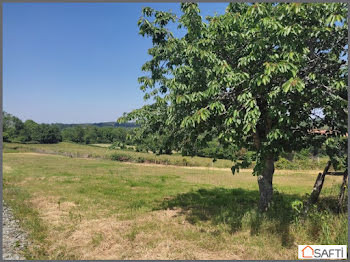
(261, 76)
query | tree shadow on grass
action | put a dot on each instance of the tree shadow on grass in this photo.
(235, 207)
(331, 204)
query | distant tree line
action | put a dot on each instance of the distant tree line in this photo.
(93, 134)
(14, 130)
(101, 124)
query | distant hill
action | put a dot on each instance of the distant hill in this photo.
(102, 124)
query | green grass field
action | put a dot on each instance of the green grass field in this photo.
(78, 204)
(102, 151)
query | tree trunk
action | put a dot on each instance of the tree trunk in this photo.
(265, 183)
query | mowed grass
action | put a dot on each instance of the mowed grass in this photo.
(101, 145)
(95, 151)
(80, 208)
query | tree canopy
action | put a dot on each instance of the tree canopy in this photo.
(261, 76)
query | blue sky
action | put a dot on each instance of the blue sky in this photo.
(75, 62)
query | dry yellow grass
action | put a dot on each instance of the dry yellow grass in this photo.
(6, 168)
(100, 209)
(111, 238)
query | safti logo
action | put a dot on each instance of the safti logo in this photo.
(307, 252)
(322, 252)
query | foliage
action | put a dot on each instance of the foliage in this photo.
(92, 134)
(117, 145)
(257, 74)
(152, 134)
(101, 124)
(14, 130)
(337, 149)
(11, 126)
(261, 77)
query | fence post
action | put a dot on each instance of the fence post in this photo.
(342, 190)
(317, 187)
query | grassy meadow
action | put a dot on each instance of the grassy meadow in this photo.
(102, 151)
(78, 204)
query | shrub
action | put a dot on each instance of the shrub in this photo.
(304, 154)
(140, 159)
(283, 163)
(185, 161)
(120, 157)
(166, 161)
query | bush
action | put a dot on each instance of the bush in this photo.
(288, 155)
(140, 159)
(283, 163)
(304, 154)
(185, 161)
(115, 145)
(120, 157)
(166, 161)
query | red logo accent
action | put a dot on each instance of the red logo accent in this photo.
(307, 250)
